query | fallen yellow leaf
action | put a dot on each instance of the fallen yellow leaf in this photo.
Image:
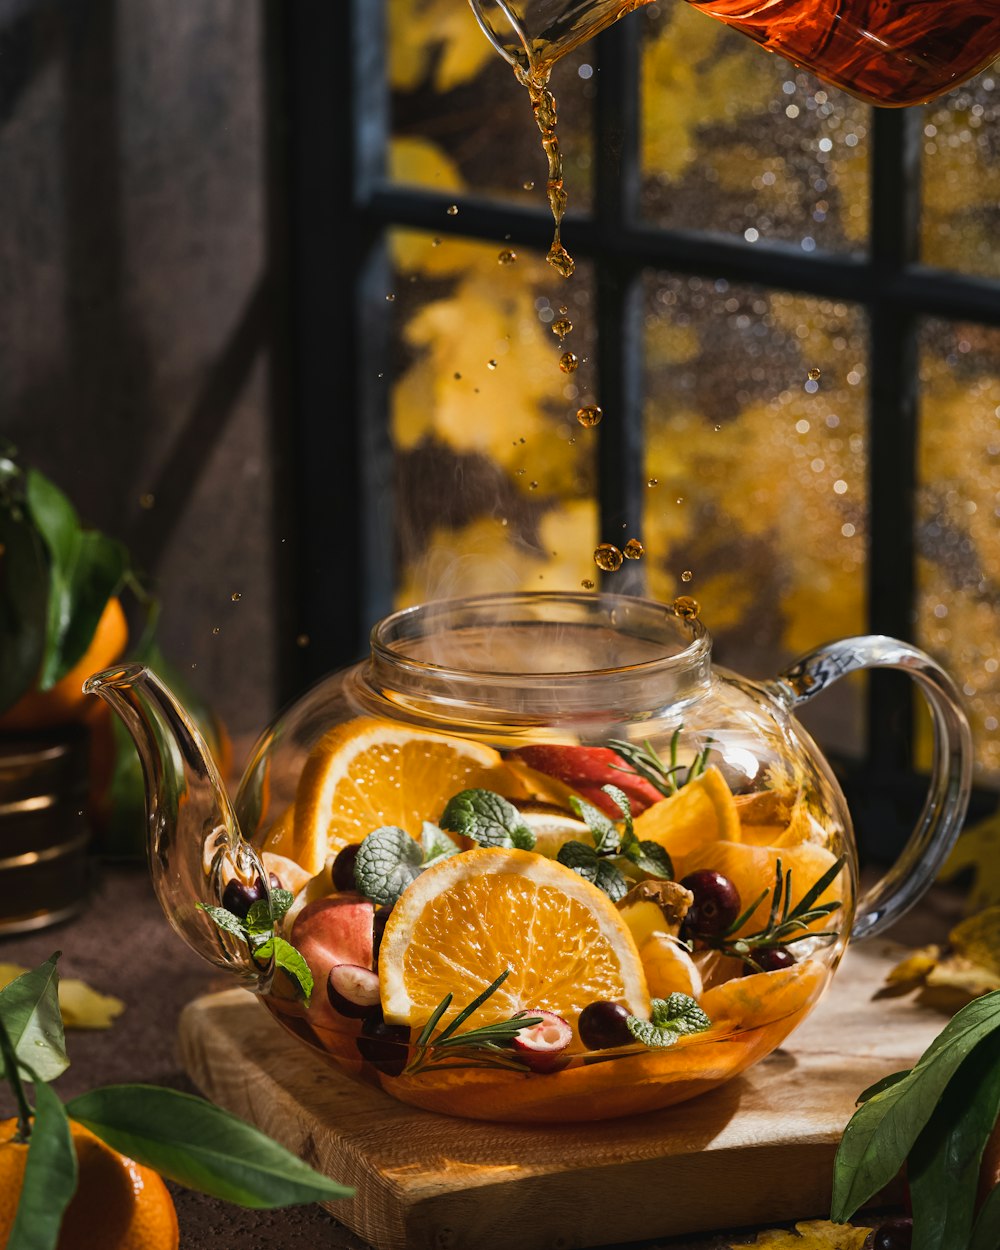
(979, 849)
(81, 1006)
(970, 967)
(812, 1235)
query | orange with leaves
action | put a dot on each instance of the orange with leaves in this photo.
(118, 1204)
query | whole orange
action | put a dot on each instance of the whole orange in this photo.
(118, 1204)
(65, 703)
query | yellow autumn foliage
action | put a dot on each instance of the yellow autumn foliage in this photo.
(434, 34)
(811, 1235)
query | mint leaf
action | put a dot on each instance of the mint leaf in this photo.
(523, 839)
(225, 919)
(622, 802)
(287, 957)
(486, 818)
(611, 880)
(190, 1141)
(435, 843)
(650, 858)
(388, 861)
(671, 1018)
(29, 1008)
(259, 918)
(50, 1174)
(281, 900)
(580, 857)
(606, 838)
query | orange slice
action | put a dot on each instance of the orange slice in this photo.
(367, 773)
(766, 998)
(669, 968)
(467, 918)
(700, 813)
(752, 870)
(776, 818)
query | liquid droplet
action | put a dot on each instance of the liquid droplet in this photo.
(653, 481)
(633, 549)
(217, 629)
(435, 242)
(458, 377)
(528, 186)
(562, 327)
(587, 584)
(568, 362)
(491, 364)
(561, 261)
(563, 309)
(589, 415)
(686, 608)
(147, 501)
(236, 596)
(533, 486)
(390, 297)
(608, 557)
(452, 210)
(506, 257)
(814, 375)
(686, 575)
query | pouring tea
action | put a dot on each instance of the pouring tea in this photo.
(887, 52)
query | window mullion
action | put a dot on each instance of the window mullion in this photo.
(893, 433)
(618, 296)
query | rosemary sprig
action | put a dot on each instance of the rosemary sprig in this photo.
(488, 1046)
(784, 921)
(648, 764)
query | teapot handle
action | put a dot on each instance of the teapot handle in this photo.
(951, 770)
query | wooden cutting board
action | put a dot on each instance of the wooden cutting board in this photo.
(757, 1150)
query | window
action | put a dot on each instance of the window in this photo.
(786, 305)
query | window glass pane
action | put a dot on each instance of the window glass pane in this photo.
(740, 142)
(493, 474)
(461, 121)
(958, 534)
(756, 501)
(961, 179)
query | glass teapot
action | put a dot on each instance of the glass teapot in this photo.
(536, 859)
(884, 51)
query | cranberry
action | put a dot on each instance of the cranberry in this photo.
(385, 1046)
(893, 1235)
(379, 921)
(352, 991)
(541, 1045)
(343, 867)
(716, 904)
(602, 1025)
(238, 897)
(770, 959)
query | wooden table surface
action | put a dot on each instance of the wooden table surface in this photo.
(121, 945)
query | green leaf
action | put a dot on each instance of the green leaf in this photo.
(29, 1006)
(523, 839)
(200, 1146)
(485, 817)
(224, 919)
(943, 1167)
(883, 1130)
(436, 843)
(287, 957)
(580, 857)
(24, 596)
(388, 861)
(986, 1233)
(259, 917)
(82, 595)
(652, 859)
(621, 801)
(670, 1018)
(611, 880)
(50, 1174)
(606, 838)
(885, 1083)
(281, 900)
(54, 517)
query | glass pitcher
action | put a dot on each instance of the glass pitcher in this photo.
(884, 51)
(536, 859)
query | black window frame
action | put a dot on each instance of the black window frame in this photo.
(333, 207)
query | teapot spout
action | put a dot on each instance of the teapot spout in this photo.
(193, 841)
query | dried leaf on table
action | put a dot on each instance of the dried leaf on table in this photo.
(812, 1235)
(81, 1006)
(978, 849)
(969, 967)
